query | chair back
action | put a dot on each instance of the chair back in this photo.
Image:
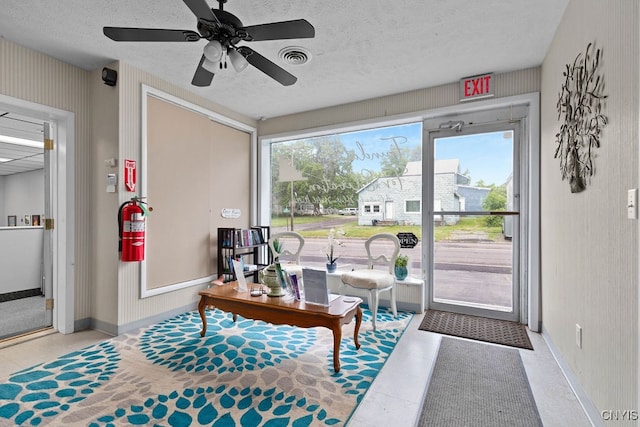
(382, 249)
(290, 243)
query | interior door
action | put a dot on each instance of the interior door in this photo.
(473, 262)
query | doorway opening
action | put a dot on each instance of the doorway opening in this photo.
(24, 244)
(59, 247)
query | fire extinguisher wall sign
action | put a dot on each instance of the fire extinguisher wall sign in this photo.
(130, 175)
(131, 225)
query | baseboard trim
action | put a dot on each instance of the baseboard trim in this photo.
(25, 293)
(587, 405)
(114, 330)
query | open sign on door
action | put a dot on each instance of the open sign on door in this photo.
(407, 240)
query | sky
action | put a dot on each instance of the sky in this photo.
(487, 157)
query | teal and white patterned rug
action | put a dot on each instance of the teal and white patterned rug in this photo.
(247, 373)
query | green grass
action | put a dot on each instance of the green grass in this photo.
(352, 230)
(283, 221)
(476, 224)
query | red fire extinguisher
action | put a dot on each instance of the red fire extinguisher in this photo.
(131, 228)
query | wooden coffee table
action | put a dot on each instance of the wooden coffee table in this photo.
(279, 311)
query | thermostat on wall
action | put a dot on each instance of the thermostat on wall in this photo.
(112, 181)
(230, 213)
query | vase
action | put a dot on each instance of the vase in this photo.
(331, 267)
(400, 272)
(269, 277)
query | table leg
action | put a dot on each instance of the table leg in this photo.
(337, 337)
(201, 308)
(357, 328)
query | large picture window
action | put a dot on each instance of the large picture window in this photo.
(353, 182)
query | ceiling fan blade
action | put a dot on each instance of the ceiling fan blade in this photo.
(266, 66)
(297, 29)
(201, 9)
(121, 34)
(202, 77)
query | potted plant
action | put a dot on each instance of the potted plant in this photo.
(331, 251)
(276, 250)
(400, 267)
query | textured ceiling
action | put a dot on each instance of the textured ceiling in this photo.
(362, 49)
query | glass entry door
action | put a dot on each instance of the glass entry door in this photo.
(474, 219)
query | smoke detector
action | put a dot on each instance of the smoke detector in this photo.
(294, 55)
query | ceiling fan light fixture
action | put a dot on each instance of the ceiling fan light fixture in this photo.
(213, 51)
(210, 65)
(223, 30)
(238, 60)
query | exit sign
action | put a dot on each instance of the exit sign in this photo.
(476, 87)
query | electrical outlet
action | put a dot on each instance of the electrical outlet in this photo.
(578, 336)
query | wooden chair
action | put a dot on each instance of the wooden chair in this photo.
(382, 250)
(290, 245)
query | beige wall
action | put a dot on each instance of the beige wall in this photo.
(104, 235)
(589, 247)
(133, 311)
(192, 174)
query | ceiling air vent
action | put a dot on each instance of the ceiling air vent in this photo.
(295, 55)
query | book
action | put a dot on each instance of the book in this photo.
(259, 239)
(242, 282)
(294, 284)
(230, 264)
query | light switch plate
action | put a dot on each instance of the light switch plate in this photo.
(632, 203)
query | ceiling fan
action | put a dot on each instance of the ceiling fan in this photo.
(224, 31)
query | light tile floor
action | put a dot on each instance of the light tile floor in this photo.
(394, 397)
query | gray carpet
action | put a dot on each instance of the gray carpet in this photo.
(22, 315)
(476, 384)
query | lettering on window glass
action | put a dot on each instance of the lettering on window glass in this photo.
(347, 172)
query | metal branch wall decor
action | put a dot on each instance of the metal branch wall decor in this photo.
(580, 104)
